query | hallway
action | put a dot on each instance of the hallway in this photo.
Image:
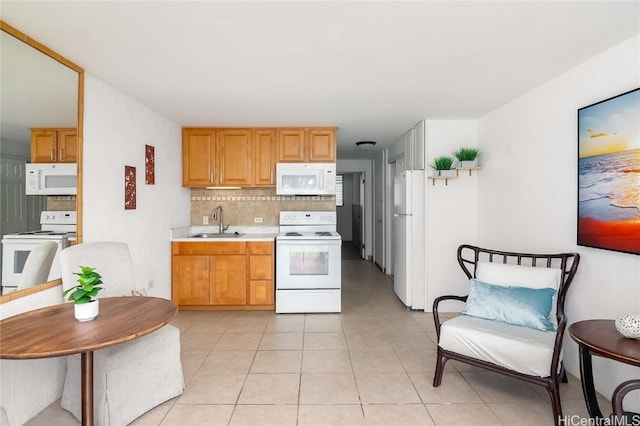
(370, 365)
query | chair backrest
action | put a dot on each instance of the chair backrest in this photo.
(557, 269)
(112, 260)
(36, 268)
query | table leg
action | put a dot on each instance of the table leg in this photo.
(588, 389)
(86, 373)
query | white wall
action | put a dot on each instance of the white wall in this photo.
(527, 193)
(116, 129)
(366, 167)
(450, 211)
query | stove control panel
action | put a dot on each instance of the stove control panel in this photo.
(308, 218)
(63, 217)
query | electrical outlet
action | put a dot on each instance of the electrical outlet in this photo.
(205, 220)
(257, 220)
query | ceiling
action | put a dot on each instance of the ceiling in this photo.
(373, 69)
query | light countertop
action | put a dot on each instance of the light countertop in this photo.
(248, 233)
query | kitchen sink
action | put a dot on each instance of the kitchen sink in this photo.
(216, 235)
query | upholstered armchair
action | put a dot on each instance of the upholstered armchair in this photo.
(130, 378)
(513, 320)
(38, 265)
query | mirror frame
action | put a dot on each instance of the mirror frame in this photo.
(55, 56)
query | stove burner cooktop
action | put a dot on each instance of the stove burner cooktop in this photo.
(324, 233)
(293, 234)
(42, 233)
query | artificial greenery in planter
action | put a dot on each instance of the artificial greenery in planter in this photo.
(467, 157)
(442, 165)
(83, 295)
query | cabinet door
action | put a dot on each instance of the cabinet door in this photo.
(43, 146)
(233, 157)
(229, 280)
(198, 157)
(322, 145)
(67, 146)
(418, 146)
(264, 158)
(260, 267)
(291, 145)
(191, 280)
(261, 292)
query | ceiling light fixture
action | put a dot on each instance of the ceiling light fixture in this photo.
(366, 145)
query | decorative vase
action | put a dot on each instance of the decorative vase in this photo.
(629, 325)
(468, 164)
(87, 311)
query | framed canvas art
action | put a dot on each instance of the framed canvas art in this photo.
(609, 174)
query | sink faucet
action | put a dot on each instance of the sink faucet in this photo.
(219, 216)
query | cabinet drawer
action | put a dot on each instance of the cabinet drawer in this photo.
(260, 247)
(208, 248)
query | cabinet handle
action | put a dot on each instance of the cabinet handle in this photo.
(61, 155)
(205, 263)
(53, 153)
(211, 177)
(221, 175)
(271, 176)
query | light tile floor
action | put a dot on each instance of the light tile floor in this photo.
(370, 365)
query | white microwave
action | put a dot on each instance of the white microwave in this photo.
(51, 179)
(306, 178)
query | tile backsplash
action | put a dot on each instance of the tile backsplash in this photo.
(61, 202)
(241, 206)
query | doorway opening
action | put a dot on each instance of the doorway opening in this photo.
(351, 215)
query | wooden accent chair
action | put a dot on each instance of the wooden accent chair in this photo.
(512, 323)
(133, 377)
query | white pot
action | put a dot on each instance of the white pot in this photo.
(86, 311)
(465, 164)
(629, 325)
(448, 173)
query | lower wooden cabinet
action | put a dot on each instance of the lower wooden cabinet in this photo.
(223, 275)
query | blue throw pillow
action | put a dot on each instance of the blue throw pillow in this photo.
(523, 306)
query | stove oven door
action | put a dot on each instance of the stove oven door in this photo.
(307, 264)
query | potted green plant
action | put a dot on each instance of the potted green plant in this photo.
(442, 166)
(467, 157)
(83, 295)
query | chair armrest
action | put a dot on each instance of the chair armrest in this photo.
(436, 302)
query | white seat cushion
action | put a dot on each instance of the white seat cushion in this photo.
(517, 348)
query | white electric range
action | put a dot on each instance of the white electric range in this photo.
(58, 226)
(308, 270)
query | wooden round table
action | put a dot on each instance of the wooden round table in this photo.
(600, 337)
(54, 331)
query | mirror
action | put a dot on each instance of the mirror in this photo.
(38, 89)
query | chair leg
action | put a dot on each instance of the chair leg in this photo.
(554, 393)
(437, 376)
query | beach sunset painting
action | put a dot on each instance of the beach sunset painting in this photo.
(609, 174)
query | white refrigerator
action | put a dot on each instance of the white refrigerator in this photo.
(408, 236)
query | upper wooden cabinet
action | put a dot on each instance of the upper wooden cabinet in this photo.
(307, 145)
(54, 145)
(233, 149)
(198, 157)
(216, 157)
(264, 157)
(247, 157)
